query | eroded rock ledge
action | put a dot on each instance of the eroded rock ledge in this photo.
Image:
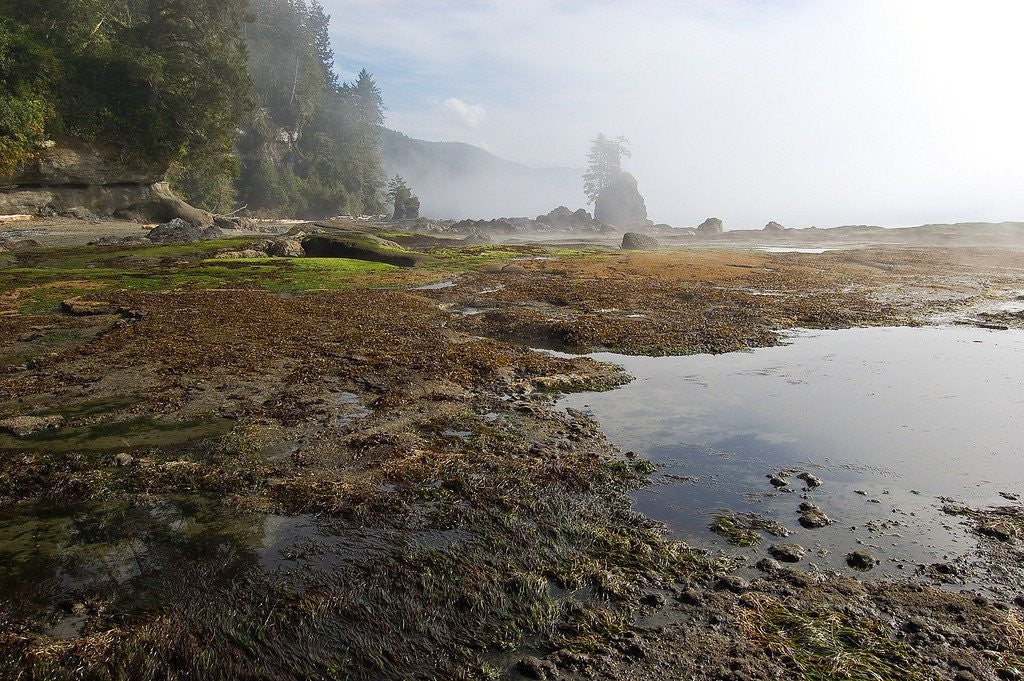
(72, 178)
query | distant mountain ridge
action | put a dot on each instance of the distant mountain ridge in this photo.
(458, 180)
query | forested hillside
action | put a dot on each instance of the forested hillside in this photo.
(458, 180)
(157, 82)
(310, 145)
(238, 100)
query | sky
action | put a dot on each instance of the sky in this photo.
(807, 112)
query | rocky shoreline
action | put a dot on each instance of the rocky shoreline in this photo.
(361, 464)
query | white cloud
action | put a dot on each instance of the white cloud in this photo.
(469, 115)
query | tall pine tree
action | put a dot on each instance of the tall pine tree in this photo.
(604, 164)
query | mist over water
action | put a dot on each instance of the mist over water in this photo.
(809, 113)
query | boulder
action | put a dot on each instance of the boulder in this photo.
(732, 583)
(813, 517)
(710, 227)
(774, 227)
(635, 241)
(862, 561)
(562, 219)
(22, 245)
(787, 552)
(810, 480)
(360, 247)
(535, 668)
(286, 248)
(620, 203)
(179, 231)
(1002, 530)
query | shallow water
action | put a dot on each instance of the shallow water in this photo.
(436, 286)
(903, 415)
(795, 249)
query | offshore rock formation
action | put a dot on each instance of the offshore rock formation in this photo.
(710, 227)
(621, 204)
(563, 220)
(74, 178)
(560, 219)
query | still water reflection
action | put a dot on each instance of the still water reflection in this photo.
(892, 419)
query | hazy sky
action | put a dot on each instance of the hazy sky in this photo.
(807, 112)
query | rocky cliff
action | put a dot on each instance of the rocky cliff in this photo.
(80, 179)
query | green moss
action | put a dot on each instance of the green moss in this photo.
(41, 289)
(741, 529)
(139, 433)
(829, 646)
(76, 257)
(733, 532)
(472, 257)
(396, 234)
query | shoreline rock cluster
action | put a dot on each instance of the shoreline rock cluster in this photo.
(560, 220)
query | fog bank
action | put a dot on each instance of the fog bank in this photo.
(809, 113)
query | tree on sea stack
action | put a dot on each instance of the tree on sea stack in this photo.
(406, 205)
(611, 189)
(604, 164)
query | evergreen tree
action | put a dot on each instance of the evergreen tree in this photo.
(320, 22)
(321, 136)
(405, 205)
(604, 164)
(159, 82)
(369, 105)
(168, 84)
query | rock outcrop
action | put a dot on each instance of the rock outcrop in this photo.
(286, 248)
(560, 219)
(178, 231)
(74, 178)
(774, 227)
(710, 227)
(621, 204)
(360, 247)
(635, 241)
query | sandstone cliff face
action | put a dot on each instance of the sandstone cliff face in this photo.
(621, 204)
(71, 177)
